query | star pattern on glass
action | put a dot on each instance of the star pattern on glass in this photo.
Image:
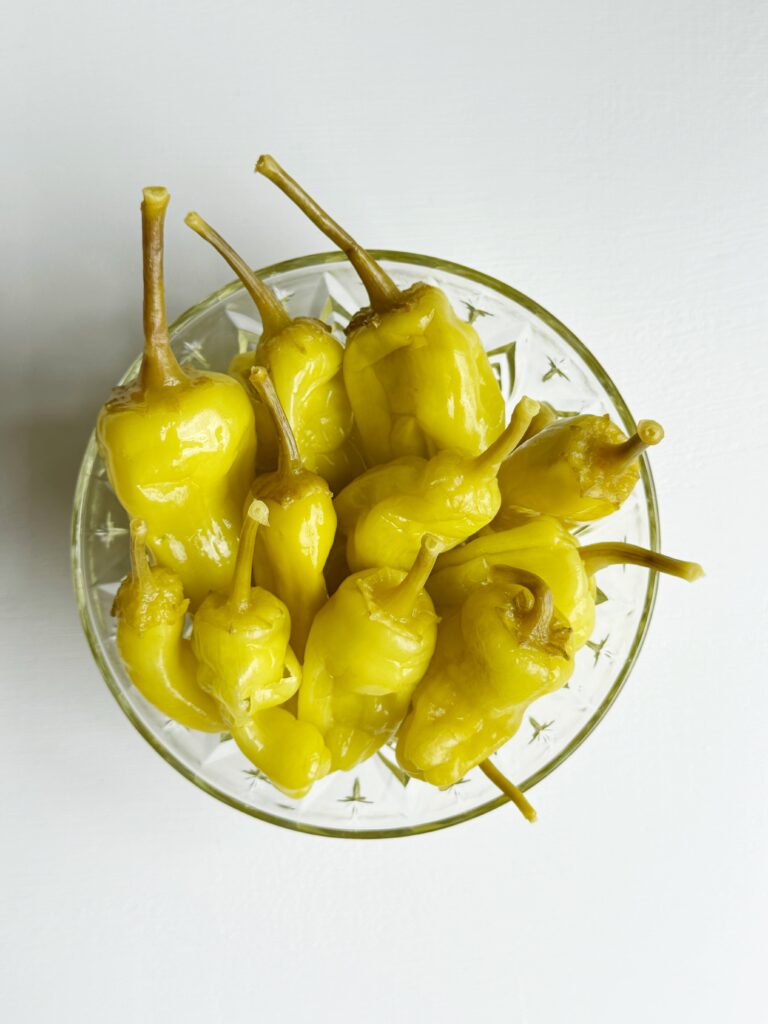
(554, 370)
(192, 352)
(356, 796)
(539, 728)
(474, 312)
(110, 531)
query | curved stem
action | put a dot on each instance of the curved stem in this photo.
(508, 789)
(536, 622)
(159, 368)
(599, 556)
(140, 567)
(403, 598)
(493, 456)
(240, 595)
(274, 318)
(289, 457)
(544, 418)
(648, 433)
(382, 290)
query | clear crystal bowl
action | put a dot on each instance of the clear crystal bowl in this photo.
(533, 354)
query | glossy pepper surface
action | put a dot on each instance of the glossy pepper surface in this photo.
(179, 445)
(578, 468)
(304, 362)
(290, 556)
(385, 512)
(417, 376)
(502, 648)
(247, 665)
(544, 546)
(150, 607)
(368, 648)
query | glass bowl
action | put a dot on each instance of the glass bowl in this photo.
(533, 354)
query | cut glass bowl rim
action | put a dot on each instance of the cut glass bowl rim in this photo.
(469, 274)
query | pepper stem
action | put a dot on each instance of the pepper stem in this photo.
(493, 456)
(256, 516)
(648, 433)
(536, 623)
(403, 598)
(289, 457)
(508, 789)
(140, 567)
(599, 556)
(382, 290)
(274, 318)
(159, 368)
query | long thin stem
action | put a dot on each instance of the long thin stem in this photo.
(382, 290)
(493, 456)
(159, 368)
(240, 595)
(274, 318)
(140, 567)
(289, 457)
(508, 788)
(403, 598)
(599, 556)
(648, 433)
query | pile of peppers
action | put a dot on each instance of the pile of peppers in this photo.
(367, 551)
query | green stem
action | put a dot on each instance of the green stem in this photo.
(159, 368)
(493, 456)
(274, 318)
(648, 433)
(240, 595)
(289, 458)
(382, 290)
(402, 600)
(599, 556)
(508, 788)
(140, 567)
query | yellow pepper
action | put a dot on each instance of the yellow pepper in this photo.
(244, 660)
(417, 376)
(578, 468)
(179, 446)
(501, 649)
(386, 511)
(368, 648)
(544, 546)
(305, 363)
(150, 607)
(290, 556)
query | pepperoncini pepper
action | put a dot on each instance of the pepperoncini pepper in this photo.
(290, 556)
(179, 446)
(386, 511)
(578, 468)
(417, 376)
(244, 661)
(304, 361)
(150, 607)
(504, 647)
(368, 648)
(545, 547)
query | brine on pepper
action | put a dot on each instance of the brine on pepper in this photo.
(179, 445)
(304, 362)
(417, 376)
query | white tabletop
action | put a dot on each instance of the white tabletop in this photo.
(608, 159)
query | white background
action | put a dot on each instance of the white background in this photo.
(607, 158)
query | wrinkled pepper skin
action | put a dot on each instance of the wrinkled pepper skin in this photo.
(367, 649)
(304, 362)
(542, 546)
(240, 640)
(578, 468)
(179, 446)
(417, 377)
(385, 512)
(289, 557)
(150, 607)
(496, 654)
